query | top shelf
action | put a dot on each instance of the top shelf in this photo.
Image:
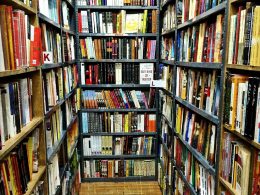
(17, 4)
(203, 16)
(104, 7)
(9, 73)
(48, 20)
(243, 67)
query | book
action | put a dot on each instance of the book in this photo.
(118, 3)
(146, 73)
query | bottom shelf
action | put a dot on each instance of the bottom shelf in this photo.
(120, 179)
(228, 186)
(35, 179)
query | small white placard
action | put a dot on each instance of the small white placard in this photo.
(47, 57)
(158, 83)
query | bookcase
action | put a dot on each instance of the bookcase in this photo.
(59, 73)
(107, 45)
(240, 132)
(197, 91)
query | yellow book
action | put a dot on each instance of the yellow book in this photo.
(145, 21)
(29, 147)
(12, 179)
(5, 179)
(131, 24)
(126, 123)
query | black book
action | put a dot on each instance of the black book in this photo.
(253, 84)
(90, 27)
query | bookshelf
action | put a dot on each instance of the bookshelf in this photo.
(60, 109)
(234, 65)
(101, 34)
(174, 29)
(21, 83)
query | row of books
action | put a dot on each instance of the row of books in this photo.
(243, 49)
(166, 103)
(118, 2)
(57, 83)
(66, 16)
(242, 105)
(54, 175)
(192, 8)
(68, 47)
(71, 109)
(72, 137)
(51, 44)
(168, 48)
(117, 73)
(116, 98)
(201, 43)
(197, 132)
(169, 18)
(118, 168)
(18, 167)
(54, 129)
(236, 165)
(15, 108)
(19, 40)
(118, 122)
(166, 75)
(117, 22)
(117, 48)
(164, 171)
(201, 89)
(51, 9)
(201, 180)
(128, 145)
(166, 134)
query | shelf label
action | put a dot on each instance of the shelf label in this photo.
(158, 83)
(47, 57)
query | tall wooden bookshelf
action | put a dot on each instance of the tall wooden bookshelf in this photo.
(130, 86)
(36, 123)
(172, 33)
(237, 135)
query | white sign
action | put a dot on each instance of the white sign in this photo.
(47, 57)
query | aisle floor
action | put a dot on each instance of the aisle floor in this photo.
(120, 188)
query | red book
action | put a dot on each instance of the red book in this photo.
(237, 34)
(9, 19)
(35, 49)
(89, 74)
(16, 36)
(80, 22)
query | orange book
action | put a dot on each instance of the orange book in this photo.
(152, 123)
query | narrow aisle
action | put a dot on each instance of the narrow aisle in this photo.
(120, 188)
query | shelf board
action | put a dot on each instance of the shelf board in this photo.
(119, 110)
(51, 66)
(169, 62)
(166, 3)
(204, 65)
(191, 188)
(67, 96)
(35, 179)
(203, 113)
(62, 171)
(168, 32)
(48, 20)
(17, 4)
(118, 60)
(120, 179)
(102, 86)
(167, 92)
(70, 4)
(119, 157)
(197, 155)
(70, 62)
(105, 7)
(72, 122)
(204, 15)
(68, 31)
(117, 35)
(52, 151)
(120, 134)
(8, 73)
(14, 141)
(241, 137)
(73, 149)
(243, 67)
(167, 121)
(54, 108)
(166, 148)
(228, 186)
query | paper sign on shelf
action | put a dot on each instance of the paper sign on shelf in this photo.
(158, 83)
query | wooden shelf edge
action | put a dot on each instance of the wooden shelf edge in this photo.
(116, 179)
(72, 150)
(8, 73)
(14, 141)
(35, 179)
(120, 157)
(120, 134)
(243, 67)
(240, 136)
(228, 186)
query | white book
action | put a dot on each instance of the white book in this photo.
(146, 73)
(44, 7)
(232, 38)
(118, 67)
(241, 37)
(244, 108)
(239, 107)
(231, 103)
(257, 118)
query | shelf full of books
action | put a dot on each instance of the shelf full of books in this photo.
(118, 48)
(193, 46)
(240, 134)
